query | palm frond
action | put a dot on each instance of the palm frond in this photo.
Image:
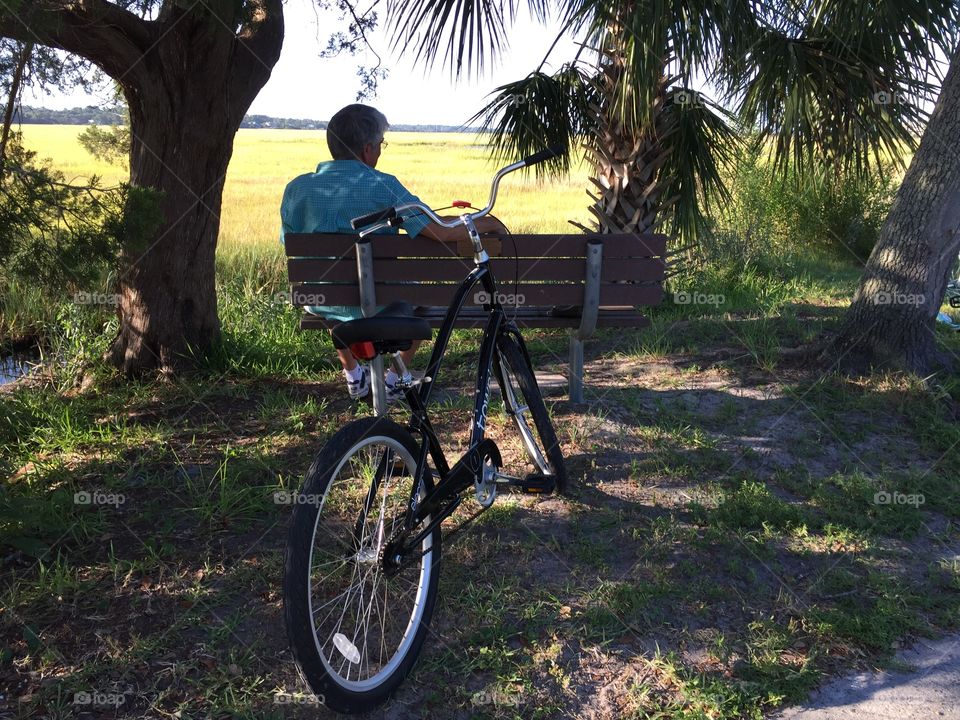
(821, 105)
(843, 83)
(468, 33)
(539, 111)
(700, 141)
(651, 37)
(909, 27)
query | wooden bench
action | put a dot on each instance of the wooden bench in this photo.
(605, 278)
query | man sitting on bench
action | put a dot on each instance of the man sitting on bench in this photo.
(349, 186)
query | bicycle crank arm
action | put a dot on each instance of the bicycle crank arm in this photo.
(461, 476)
(532, 483)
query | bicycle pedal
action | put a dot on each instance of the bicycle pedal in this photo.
(536, 484)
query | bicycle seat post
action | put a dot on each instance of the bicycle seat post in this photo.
(399, 366)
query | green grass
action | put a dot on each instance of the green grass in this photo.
(794, 571)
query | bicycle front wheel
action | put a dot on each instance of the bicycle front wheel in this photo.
(524, 403)
(356, 631)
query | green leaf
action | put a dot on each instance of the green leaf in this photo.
(31, 638)
(539, 111)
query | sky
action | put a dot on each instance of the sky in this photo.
(303, 85)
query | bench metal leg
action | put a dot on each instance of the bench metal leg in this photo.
(576, 370)
(377, 386)
(588, 319)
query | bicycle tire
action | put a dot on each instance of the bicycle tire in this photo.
(513, 362)
(323, 649)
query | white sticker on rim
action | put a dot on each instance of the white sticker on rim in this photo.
(346, 648)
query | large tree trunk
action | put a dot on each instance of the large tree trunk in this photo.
(168, 302)
(189, 76)
(891, 320)
(182, 127)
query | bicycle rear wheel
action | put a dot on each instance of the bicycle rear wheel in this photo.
(524, 403)
(355, 631)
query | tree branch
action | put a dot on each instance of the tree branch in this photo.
(262, 35)
(105, 34)
(258, 47)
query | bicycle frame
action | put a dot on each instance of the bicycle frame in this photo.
(441, 502)
(445, 497)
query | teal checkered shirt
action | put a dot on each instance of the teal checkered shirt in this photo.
(327, 200)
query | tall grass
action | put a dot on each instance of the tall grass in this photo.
(841, 215)
(782, 240)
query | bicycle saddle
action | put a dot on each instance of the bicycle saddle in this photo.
(391, 329)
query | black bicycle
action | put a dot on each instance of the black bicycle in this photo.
(363, 551)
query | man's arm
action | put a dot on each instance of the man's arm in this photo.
(456, 234)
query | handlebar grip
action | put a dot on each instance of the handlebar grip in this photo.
(374, 217)
(552, 152)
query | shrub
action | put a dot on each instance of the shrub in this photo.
(51, 232)
(841, 214)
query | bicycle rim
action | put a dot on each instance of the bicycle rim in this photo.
(364, 622)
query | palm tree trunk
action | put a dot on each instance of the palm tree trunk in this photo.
(626, 163)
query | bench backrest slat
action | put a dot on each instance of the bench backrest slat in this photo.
(336, 245)
(550, 269)
(442, 294)
(449, 269)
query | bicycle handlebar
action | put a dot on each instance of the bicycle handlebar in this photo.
(382, 218)
(539, 157)
(374, 217)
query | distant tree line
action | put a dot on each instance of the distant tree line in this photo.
(93, 115)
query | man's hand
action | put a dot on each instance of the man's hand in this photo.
(484, 225)
(490, 224)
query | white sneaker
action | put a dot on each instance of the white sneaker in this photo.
(395, 392)
(360, 388)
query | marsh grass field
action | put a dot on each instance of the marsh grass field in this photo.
(731, 536)
(438, 167)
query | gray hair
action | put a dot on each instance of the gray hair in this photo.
(352, 128)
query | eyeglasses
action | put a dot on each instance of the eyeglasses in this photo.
(384, 143)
